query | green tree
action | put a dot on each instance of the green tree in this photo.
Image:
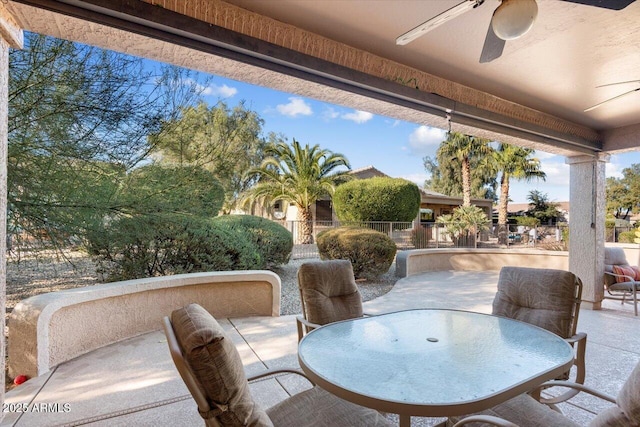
(300, 176)
(226, 141)
(542, 209)
(377, 199)
(514, 163)
(462, 167)
(623, 194)
(619, 199)
(79, 117)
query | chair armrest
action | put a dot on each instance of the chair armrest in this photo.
(496, 421)
(304, 326)
(580, 341)
(626, 278)
(576, 338)
(579, 388)
(270, 372)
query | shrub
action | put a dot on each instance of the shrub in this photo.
(377, 199)
(627, 237)
(371, 253)
(163, 227)
(464, 224)
(273, 241)
(162, 244)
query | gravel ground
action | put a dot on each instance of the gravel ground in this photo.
(46, 271)
(49, 272)
(290, 301)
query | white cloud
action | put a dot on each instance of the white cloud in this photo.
(614, 168)
(557, 173)
(424, 138)
(330, 113)
(296, 107)
(358, 116)
(418, 178)
(223, 91)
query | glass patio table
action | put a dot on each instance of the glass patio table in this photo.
(432, 362)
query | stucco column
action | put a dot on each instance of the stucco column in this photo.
(586, 225)
(10, 36)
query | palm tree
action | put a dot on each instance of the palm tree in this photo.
(300, 176)
(462, 148)
(514, 162)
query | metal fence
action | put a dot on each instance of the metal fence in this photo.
(431, 235)
(404, 234)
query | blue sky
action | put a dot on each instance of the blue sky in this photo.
(394, 147)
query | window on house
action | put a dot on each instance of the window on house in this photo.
(426, 215)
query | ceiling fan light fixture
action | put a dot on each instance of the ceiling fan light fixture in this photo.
(513, 18)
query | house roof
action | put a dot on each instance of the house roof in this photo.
(367, 172)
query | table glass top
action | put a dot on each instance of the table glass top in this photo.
(431, 357)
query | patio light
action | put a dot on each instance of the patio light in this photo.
(513, 18)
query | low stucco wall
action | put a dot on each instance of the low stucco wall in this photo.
(422, 260)
(52, 328)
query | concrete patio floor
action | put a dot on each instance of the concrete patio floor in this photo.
(134, 382)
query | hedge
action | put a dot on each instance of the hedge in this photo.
(273, 241)
(163, 244)
(377, 199)
(371, 253)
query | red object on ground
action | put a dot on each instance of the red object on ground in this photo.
(20, 379)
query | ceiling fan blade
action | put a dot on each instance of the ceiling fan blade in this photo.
(438, 20)
(611, 99)
(607, 4)
(493, 46)
(619, 83)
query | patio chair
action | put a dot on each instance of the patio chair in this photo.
(620, 278)
(210, 366)
(549, 299)
(526, 411)
(328, 293)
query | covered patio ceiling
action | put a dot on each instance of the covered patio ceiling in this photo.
(344, 52)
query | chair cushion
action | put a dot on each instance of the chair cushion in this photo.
(612, 417)
(217, 366)
(318, 408)
(614, 256)
(628, 398)
(542, 297)
(626, 273)
(329, 291)
(522, 410)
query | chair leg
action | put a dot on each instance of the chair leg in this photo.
(635, 300)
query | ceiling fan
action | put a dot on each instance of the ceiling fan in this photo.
(629, 92)
(511, 20)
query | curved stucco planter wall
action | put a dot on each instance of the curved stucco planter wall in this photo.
(49, 329)
(422, 260)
